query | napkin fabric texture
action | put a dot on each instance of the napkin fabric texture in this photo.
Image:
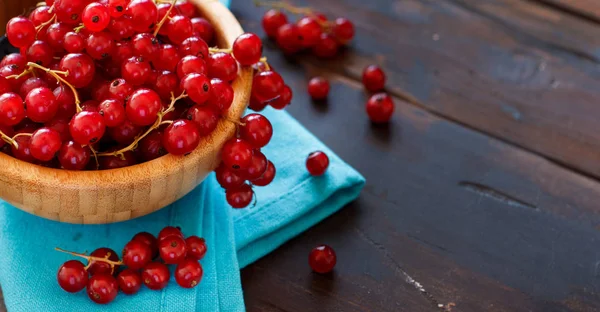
(294, 202)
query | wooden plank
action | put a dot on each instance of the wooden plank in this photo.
(502, 67)
(589, 9)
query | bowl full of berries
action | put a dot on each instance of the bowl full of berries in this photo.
(111, 110)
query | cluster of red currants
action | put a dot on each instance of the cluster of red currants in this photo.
(112, 83)
(142, 257)
(312, 32)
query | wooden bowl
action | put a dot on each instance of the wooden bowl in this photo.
(121, 194)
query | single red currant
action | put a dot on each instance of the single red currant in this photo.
(179, 28)
(318, 88)
(289, 38)
(237, 154)
(129, 281)
(267, 177)
(206, 118)
(203, 28)
(55, 35)
(121, 28)
(166, 83)
(96, 17)
(120, 89)
(73, 156)
(186, 8)
(143, 107)
(136, 254)
(172, 249)
(256, 129)
(81, 69)
(267, 85)
(373, 78)
(41, 104)
(149, 240)
(322, 259)
(101, 267)
(194, 46)
(191, 65)
(239, 197)
(326, 47)
(40, 52)
(221, 94)
(144, 13)
(317, 163)
(247, 49)
(257, 167)
(380, 108)
(181, 137)
(125, 133)
(74, 42)
(284, 99)
(223, 66)
(113, 112)
(72, 276)
(100, 45)
(167, 58)
(155, 275)
(310, 30)
(168, 231)
(196, 247)
(12, 111)
(343, 30)
(87, 127)
(272, 20)
(151, 146)
(227, 178)
(102, 288)
(188, 273)
(136, 70)
(14, 59)
(146, 46)
(30, 84)
(44, 144)
(117, 7)
(197, 87)
(60, 125)
(20, 32)
(66, 101)
(69, 11)
(22, 152)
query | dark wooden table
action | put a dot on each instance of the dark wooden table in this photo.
(483, 193)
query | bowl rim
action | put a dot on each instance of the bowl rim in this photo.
(227, 29)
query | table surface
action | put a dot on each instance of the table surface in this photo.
(483, 192)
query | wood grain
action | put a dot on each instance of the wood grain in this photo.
(588, 9)
(121, 194)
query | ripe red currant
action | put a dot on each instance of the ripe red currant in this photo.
(317, 163)
(179, 28)
(239, 197)
(149, 240)
(73, 156)
(87, 127)
(20, 32)
(72, 276)
(81, 69)
(373, 78)
(117, 7)
(136, 70)
(380, 108)
(196, 247)
(113, 112)
(113, 162)
(102, 288)
(172, 249)
(129, 281)
(310, 30)
(194, 46)
(284, 99)
(41, 104)
(203, 28)
(168, 57)
(247, 49)
(206, 118)
(74, 42)
(318, 88)
(181, 137)
(40, 52)
(227, 178)
(289, 38)
(223, 66)
(155, 275)
(143, 107)
(237, 154)
(144, 14)
(12, 111)
(343, 30)
(326, 47)
(322, 259)
(136, 254)
(188, 273)
(257, 167)
(267, 176)
(168, 231)
(272, 20)
(256, 129)
(101, 267)
(267, 85)
(125, 133)
(95, 17)
(44, 143)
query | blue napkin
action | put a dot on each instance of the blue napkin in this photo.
(293, 203)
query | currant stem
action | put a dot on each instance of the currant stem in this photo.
(154, 126)
(216, 50)
(54, 73)
(44, 24)
(236, 122)
(90, 259)
(264, 61)
(9, 140)
(164, 19)
(78, 28)
(25, 72)
(22, 134)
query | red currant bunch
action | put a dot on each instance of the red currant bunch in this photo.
(313, 31)
(144, 262)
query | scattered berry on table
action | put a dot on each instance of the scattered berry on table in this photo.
(318, 88)
(380, 108)
(373, 78)
(322, 259)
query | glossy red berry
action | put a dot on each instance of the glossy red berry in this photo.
(113, 162)
(143, 107)
(267, 177)
(121, 28)
(168, 231)
(23, 151)
(326, 47)
(12, 111)
(95, 17)
(223, 66)
(227, 178)
(196, 247)
(167, 58)
(289, 38)
(130, 281)
(188, 273)
(40, 52)
(136, 254)
(144, 14)
(203, 28)
(30, 84)
(181, 137)
(322, 259)
(44, 143)
(284, 99)
(373, 78)
(247, 49)
(267, 85)
(73, 156)
(81, 69)
(101, 267)
(239, 197)
(343, 30)
(102, 288)
(194, 46)
(186, 8)
(14, 59)
(40, 15)
(310, 30)
(317, 163)
(125, 133)
(136, 70)
(117, 7)
(191, 65)
(69, 11)
(74, 42)
(72, 276)
(272, 20)
(113, 112)
(20, 32)
(172, 249)
(318, 88)
(149, 240)
(120, 89)
(100, 45)
(155, 275)
(380, 108)
(41, 105)
(55, 35)
(256, 130)
(237, 154)
(206, 118)
(221, 94)
(179, 28)
(257, 167)
(87, 127)
(60, 125)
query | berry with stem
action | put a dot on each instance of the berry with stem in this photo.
(168, 231)
(102, 288)
(87, 127)
(96, 267)
(136, 254)
(41, 104)
(188, 273)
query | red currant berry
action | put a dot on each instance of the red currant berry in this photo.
(322, 259)
(310, 30)
(73, 156)
(343, 30)
(258, 105)
(12, 111)
(90, 106)
(40, 15)
(30, 84)
(181, 137)
(87, 127)
(289, 39)
(163, 8)
(136, 70)
(129, 281)
(197, 87)
(40, 52)
(191, 65)
(113, 112)
(172, 249)
(206, 118)
(168, 57)
(373, 78)
(272, 20)
(256, 129)
(179, 28)
(227, 178)
(60, 125)
(22, 152)
(237, 154)
(168, 231)
(196, 247)
(247, 49)
(194, 46)
(380, 108)
(144, 13)
(81, 69)
(267, 85)
(102, 288)
(20, 32)
(96, 17)
(203, 28)
(125, 133)
(101, 267)
(146, 46)
(166, 83)
(257, 167)
(41, 104)
(14, 59)
(317, 163)
(267, 177)
(239, 197)
(100, 91)
(99, 45)
(69, 11)
(121, 28)
(72, 276)
(223, 66)
(326, 47)
(188, 273)
(66, 101)
(151, 146)
(149, 240)
(156, 275)
(74, 42)
(117, 7)
(55, 35)
(44, 144)
(143, 107)
(120, 90)
(284, 99)
(221, 94)
(136, 254)
(318, 88)
(10, 70)
(185, 8)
